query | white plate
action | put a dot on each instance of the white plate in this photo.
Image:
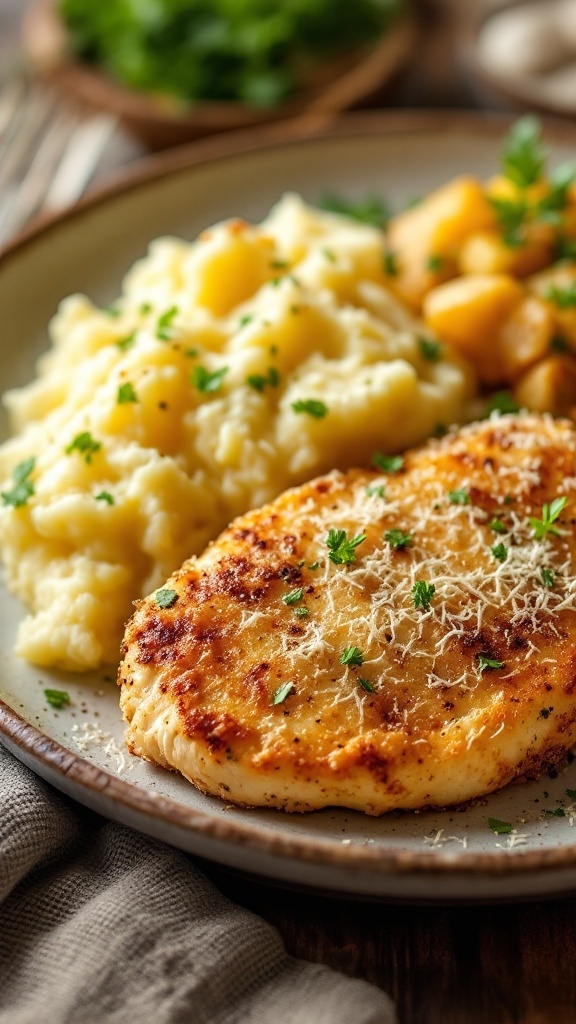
(432, 855)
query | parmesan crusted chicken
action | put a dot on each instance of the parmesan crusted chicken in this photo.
(396, 638)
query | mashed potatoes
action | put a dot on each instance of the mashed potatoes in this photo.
(230, 368)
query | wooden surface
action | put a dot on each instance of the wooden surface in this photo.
(502, 964)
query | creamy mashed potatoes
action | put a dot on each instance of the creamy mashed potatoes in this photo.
(233, 367)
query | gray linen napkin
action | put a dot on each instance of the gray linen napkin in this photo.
(100, 924)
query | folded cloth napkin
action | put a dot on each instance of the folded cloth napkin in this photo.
(100, 925)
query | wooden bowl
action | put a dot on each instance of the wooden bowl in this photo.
(338, 85)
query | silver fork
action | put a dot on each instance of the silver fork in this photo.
(49, 152)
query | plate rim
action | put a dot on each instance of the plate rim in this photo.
(98, 781)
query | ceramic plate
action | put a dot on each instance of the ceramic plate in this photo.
(432, 855)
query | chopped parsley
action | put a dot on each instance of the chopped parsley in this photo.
(208, 382)
(351, 656)
(125, 343)
(558, 812)
(314, 566)
(390, 263)
(459, 497)
(523, 155)
(497, 525)
(484, 662)
(259, 381)
(105, 496)
(366, 684)
(500, 828)
(375, 491)
(164, 330)
(280, 694)
(548, 577)
(342, 550)
(435, 263)
(550, 512)
(294, 596)
(279, 264)
(85, 445)
(387, 463)
(145, 307)
(422, 594)
(57, 698)
(562, 296)
(571, 793)
(302, 612)
(23, 487)
(245, 320)
(165, 598)
(398, 539)
(430, 349)
(500, 551)
(502, 402)
(126, 394)
(311, 406)
(329, 255)
(191, 353)
(511, 216)
(370, 210)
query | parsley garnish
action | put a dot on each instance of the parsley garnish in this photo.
(57, 698)
(312, 406)
(548, 577)
(164, 326)
(258, 381)
(500, 551)
(351, 656)
(126, 394)
(246, 319)
(314, 566)
(366, 684)
(165, 598)
(125, 343)
(105, 496)
(497, 525)
(390, 263)
(459, 497)
(550, 514)
(484, 662)
(511, 216)
(329, 255)
(435, 263)
(558, 812)
(502, 402)
(23, 486)
(301, 612)
(342, 550)
(375, 491)
(501, 828)
(85, 445)
(523, 156)
(280, 694)
(429, 349)
(422, 594)
(279, 264)
(208, 382)
(294, 596)
(562, 296)
(571, 793)
(387, 463)
(370, 210)
(145, 307)
(398, 539)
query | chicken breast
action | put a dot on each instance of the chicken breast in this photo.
(384, 639)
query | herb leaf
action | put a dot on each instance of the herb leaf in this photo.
(366, 684)
(398, 539)
(207, 382)
(164, 331)
(125, 343)
(562, 296)
(294, 596)
(501, 828)
(370, 210)
(387, 463)
(312, 406)
(280, 694)
(459, 497)
(390, 263)
(126, 394)
(484, 662)
(85, 445)
(502, 402)
(422, 594)
(524, 156)
(351, 656)
(57, 698)
(550, 513)
(497, 525)
(23, 486)
(500, 551)
(375, 491)
(258, 381)
(548, 577)
(342, 550)
(105, 496)
(165, 598)
(430, 349)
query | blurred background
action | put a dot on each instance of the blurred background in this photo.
(87, 87)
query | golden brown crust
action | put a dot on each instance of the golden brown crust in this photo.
(436, 724)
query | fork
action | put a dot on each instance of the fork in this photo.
(49, 152)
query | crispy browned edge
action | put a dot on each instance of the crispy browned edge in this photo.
(92, 779)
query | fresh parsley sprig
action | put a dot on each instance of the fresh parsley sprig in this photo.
(550, 513)
(23, 487)
(343, 551)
